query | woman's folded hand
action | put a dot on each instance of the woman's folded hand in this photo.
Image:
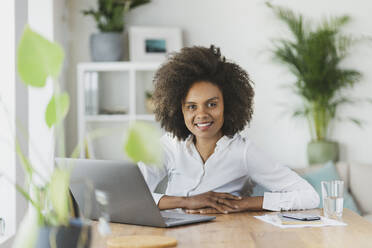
(243, 204)
(220, 202)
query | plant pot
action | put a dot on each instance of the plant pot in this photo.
(65, 236)
(106, 46)
(322, 151)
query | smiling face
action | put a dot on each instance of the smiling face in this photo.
(203, 110)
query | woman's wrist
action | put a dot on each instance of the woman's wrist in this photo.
(252, 203)
(171, 202)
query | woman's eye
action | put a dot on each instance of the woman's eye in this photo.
(212, 104)
(191, 107)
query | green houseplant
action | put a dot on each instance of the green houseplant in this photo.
(314, 57)
(50, 220)
(109, 16)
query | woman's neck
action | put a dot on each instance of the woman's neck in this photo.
(206, 146)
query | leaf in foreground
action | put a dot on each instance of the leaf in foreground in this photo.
(58, 193)
(143, 144)
(57, 109)
(38, 58)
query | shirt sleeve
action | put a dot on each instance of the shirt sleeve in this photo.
(289, 191)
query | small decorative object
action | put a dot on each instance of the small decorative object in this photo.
(108, 44)
(150, 107)
(153, 44)
(115, 110)
(314, 56)
(103, 222)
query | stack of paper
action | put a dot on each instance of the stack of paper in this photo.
(276, 220)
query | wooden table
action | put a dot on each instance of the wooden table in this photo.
(243, 230)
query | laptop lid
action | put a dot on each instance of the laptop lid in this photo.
(130, 200)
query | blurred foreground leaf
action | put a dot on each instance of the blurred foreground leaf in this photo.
(58, 193)
(57, 109)
(143, 144)
(38, 58)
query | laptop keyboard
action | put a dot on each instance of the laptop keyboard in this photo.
(167, 219)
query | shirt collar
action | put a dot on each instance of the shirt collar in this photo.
(225, 142)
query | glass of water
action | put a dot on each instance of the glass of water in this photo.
(333, 198)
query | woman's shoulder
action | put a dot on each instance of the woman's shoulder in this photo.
(168, 139)
(170, 142)
(241, 140)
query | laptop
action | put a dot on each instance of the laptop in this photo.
(129, 198)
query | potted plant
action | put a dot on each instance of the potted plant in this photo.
(314, 57)
(51, 220)
(108, 44)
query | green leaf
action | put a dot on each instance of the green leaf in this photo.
(28, 231)
(38, 58)
(143, 144)
(58, 193)
(57, 109)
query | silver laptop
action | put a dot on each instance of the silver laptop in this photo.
(130, 200)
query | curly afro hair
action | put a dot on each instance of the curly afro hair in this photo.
(194, 64)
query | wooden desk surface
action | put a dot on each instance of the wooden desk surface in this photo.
(243, 230)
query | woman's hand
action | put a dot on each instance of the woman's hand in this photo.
(245, 204)
(220, 202)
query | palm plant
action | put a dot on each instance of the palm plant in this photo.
(314, 56)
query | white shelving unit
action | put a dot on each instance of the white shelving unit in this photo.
(130, 79)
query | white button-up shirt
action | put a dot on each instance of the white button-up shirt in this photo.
(233, 162)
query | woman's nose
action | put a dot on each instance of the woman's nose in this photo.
(202, 111)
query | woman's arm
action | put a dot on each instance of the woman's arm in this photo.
(221, 202)
(288, 191)
(245, 204)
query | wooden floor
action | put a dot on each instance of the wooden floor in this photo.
(243, 230)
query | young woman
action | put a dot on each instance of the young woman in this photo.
(203, 102)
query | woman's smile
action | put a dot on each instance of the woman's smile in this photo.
(204, 125)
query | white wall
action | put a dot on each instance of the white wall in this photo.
(77, 40)
(243, 29)
(7, 118)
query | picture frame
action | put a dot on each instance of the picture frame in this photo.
(153, 43)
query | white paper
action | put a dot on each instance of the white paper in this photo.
(275, 220)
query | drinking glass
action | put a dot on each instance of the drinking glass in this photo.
(333, 198)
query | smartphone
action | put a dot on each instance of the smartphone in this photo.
(300, 216)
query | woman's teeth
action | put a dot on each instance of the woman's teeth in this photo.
(204, 124)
